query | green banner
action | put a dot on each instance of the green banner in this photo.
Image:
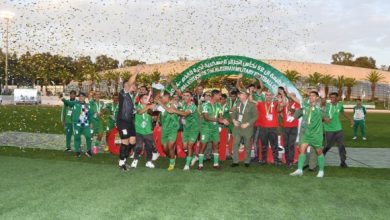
(233, 65)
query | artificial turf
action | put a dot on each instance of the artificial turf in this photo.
(38, 119)
(47, 184)
(45, 119)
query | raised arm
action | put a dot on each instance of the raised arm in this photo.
(68, 102)
(298, 113)
(239, 83)
(145, 109)
(182, 113)
(260, 84)
(133, 77)
(293, 97)
(178, 92)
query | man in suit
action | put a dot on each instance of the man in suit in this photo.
(243, 117)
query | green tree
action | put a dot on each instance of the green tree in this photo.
(155, 76)
(86, 69)
(374, 77)
(349, 83)
(314, 79)
(125, 76)
(214, 82)
(292, 75)
(13, 72)
(2, 64)
(343, 58)
(347, 59)
(339, 83)
(327, 80)
(366, 62)
(42, 68)
(26, 67)
(111, 76)
(65, 69)
(129, 63)
(144, 79)
(103, 62)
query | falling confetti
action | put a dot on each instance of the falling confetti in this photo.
(157, 31)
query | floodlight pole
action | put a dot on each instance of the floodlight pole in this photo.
(7, 15)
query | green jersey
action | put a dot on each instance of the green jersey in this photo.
(96, 107)
(169, 121)
(231, 103)
(225, 111)
(333, 112)
(82, 113)
(312, 119)
(112, 110)
(66, 114)
(258, 97)
(191, 121)
(143, 122)
(213, 111)
(359, 113)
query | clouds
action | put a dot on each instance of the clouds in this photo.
(354, 26)
(157, 31)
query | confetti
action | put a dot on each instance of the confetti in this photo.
(157, 31)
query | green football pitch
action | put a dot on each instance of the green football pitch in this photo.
(47, 184)
(44, 119)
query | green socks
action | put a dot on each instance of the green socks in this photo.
(201, 158)
(216, 158)
(321, 162)
(301, 161)
(171, 161)
(97, 143)
(188, 160)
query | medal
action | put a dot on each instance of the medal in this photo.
(309, 119)
(144, 122)
(241, 112)
(268, 111)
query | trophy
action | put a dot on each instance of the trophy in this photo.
(157, 92)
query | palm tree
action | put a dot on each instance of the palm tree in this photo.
(349, 83)
(374, 77)
(327, 80)
(144, 79)
(110, 77)
(155, 76)
(314, 79)
(339, 83)
(292, 75)
(214, 82)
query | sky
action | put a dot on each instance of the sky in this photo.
(160, 30)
